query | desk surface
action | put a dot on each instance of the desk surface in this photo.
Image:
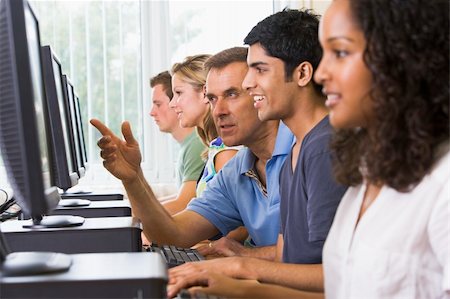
(107, 234)
(95, 275)
(89, 224)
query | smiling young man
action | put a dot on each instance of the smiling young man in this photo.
(284, 52)
(246, 190)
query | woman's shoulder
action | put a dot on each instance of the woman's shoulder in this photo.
(218, 144)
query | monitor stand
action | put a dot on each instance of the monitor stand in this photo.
(55, 221)
(79, 192)
(94, 195)
(74, 202)
(31, 263)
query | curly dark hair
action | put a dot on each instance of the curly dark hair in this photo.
(292, 36)
(407, 53)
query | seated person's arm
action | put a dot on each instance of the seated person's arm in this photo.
(228, 247)
(307, 277)
(122, 158)
(279, 249)
(178, 204)
(240, 234)
(191, 168)
(183, 229)
(222, 158)
(221, 285)
(165, 198)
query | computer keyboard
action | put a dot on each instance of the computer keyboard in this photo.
(175, 256)
(184, 294)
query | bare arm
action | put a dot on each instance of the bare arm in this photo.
(279, 249)
(184, 229)
(240, 234)
(184, 196)
(229, 247)
(221, 285)
(222, 158)
(307, 277)
(122, 159)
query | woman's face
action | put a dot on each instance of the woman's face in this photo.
(189, 103)
(345, 77)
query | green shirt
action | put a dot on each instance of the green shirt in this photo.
(190, 163)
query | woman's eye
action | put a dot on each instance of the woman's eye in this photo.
(340, 53)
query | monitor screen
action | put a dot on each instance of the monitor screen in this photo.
(23, 126)
(64, 170)
(24, 135)
(73, 127)
(82, 141)
(38, 92)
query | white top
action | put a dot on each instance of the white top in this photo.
(400, 247)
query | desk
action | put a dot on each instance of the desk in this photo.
(106, 234)
(95, 275)
(94, 195)
(107, 208)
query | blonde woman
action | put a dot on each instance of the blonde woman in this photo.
(193, 109)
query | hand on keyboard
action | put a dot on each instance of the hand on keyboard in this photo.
(184, 294)
(175, 256)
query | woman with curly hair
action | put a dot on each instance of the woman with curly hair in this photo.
(385, 73)
(386, 77)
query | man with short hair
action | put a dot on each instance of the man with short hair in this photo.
(245, 192)
(189, 163)
(283, 55)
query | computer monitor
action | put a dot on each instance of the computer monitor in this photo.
(64, 170)
(24, 134)
(82, 141)
(73, 126)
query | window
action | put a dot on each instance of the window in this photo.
(172, 30)
(98, 44)
(110, 49)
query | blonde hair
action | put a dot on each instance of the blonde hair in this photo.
(191, 70)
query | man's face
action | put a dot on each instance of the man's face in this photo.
(164, 117)
(274, 98)
(232, 107)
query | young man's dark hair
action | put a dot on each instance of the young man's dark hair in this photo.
(165, 79)
(301, 26)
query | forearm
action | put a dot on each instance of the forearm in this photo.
(158, 225)
(275, 291)
(266, 252)
(173, 206)
(307, 277)
(240, 234)
(184, 196)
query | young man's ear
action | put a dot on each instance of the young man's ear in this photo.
(303, 74)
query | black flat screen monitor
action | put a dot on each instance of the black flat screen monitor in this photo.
(73, 126)
(64, 170)
(81, 140)
(24, 134)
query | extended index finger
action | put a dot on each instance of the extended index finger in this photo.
(103, 129)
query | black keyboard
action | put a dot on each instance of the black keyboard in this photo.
(175, 256)
(184, 294)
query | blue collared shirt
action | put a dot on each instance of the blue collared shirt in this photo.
(232, 198)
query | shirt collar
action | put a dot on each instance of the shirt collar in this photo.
(283, 144)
